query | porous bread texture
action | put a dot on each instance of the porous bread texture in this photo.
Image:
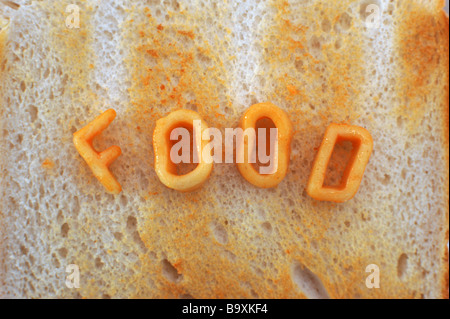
(317, 60)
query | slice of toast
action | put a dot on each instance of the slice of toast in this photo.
(378, 64)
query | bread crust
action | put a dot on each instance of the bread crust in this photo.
(445, 286)
(425, 24)
(445, 118)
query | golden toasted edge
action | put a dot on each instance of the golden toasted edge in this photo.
(445, 271)
(4, 30)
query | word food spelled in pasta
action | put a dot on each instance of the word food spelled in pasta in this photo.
(263, 147)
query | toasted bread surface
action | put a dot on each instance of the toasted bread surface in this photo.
(320, 61)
